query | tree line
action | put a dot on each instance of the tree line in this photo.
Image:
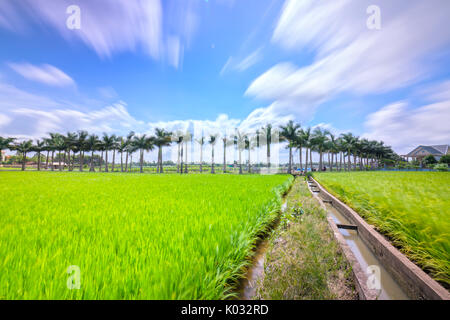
(345, 152)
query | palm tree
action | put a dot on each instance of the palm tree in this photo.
(178, 139)
(23, 148)
(69, 142)
(60, 146)
(240, 143)
(225, 143)
(131, 148)
(348, 141)
(212, 142)
(249, 146)
(92, 144)
(121, 148)
(143, 143)
(299, 144)
(81, 146)
(187, 138)
(320, 138)
(333, 148)
(289, 134)
(38, 148)
(162, 139)
(267, 140)
(5, 143)
(201, 142)
(108, 144)
(306, 137)
(128, 142)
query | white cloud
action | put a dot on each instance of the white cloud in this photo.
(46, 74)
(242, 64)
(404, 127)
(110, 27)
(349, 57)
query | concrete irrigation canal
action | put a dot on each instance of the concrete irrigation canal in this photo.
(380, 270)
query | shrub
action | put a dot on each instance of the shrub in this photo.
(429, 160)
(445, 159)
(441, 167)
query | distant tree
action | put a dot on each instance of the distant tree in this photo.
(5, 143)
(212, 141)
(23, 148)
(162, 139)
(429, 160)
(445, 159)
(38, 148)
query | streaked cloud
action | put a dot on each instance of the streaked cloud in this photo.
(349, 57)
(46, 74)
(242, 64)
(405, 127)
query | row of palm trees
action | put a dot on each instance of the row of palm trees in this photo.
(339, 151)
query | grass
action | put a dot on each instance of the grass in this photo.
(133, 236)
(411, 208)
(304, 261)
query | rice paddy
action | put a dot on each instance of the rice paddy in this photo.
(132, 236)
(411, 208)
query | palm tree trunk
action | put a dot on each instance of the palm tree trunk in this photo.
(212, 159)
(349, 161)
(290, 161)
(114, 160)
(224, 158)
(106, 161)
(268, 155)
(240, 161)
(161, 170)
(121, 161)
(310, 158)
(306, 164)
(81, 160)
(181, 158)
(39, 161)
(320, 160)
(178, 159)
(126, 162)
(142, 161)
(24, 160)
(186, 162)
(92, 168)
(249, 162)
(201, 158)
(300, 158)
(53, 159)
(60, 169)
(46, 160)
(101, 161)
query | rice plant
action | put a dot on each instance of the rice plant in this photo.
(132, 236)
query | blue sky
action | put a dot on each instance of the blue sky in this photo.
(221, 64)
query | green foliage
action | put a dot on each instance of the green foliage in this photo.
(429, 160)
(441, 167)
(409, 207)
(133, 236)
(445, 159)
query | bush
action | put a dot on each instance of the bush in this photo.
(445, 159)
(429, 160)
(441, 167)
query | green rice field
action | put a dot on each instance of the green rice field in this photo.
(132, 236)
(411, 208)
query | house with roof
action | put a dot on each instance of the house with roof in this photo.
(422, 151)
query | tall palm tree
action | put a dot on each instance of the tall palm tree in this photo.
(333, 149)
(201, 142)
(249, 146)
(128, 142)
(108, 144)
(212, 141)
(38, 148)
(143, 143)
(162, 139)
(69, 142)
(23, 148)
(5, 144)
(225, 144)
(240, 143)
(348, 141)
(187, 139)
(92, 144)
(178, 139)
(131, 148)
(81, 145)
(300, 144)
(289, 134)
(306, 137)
(320, 138)
(121, 148)
(60, 146)
(267, 140)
